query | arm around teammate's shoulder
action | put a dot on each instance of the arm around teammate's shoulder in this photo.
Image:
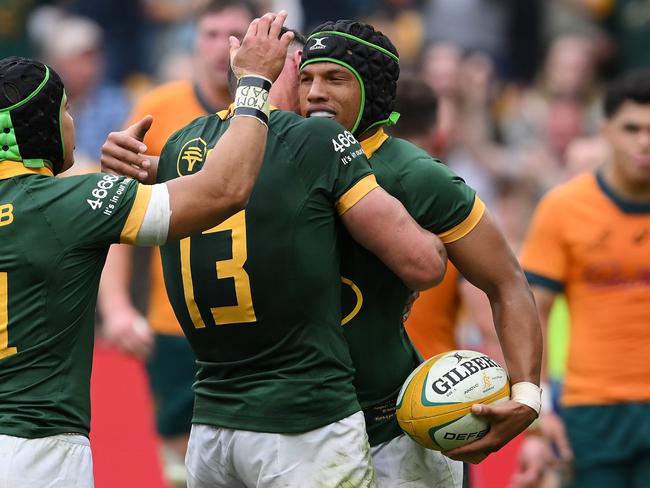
(381, 224)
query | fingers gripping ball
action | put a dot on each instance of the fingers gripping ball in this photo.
(434, 404)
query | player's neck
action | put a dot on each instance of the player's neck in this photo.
(616, 179)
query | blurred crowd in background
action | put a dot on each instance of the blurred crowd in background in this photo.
(518, 82)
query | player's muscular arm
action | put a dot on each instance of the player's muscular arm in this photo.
(485, 259)
(381, 224)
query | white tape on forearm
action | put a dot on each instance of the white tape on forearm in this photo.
(527, 393)
(155, 224)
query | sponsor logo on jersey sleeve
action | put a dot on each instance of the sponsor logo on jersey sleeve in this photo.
(347, 146)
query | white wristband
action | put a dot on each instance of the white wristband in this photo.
(252, 98)
(527, 393)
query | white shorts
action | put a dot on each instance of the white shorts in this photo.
(333, 456)
(58, 461)
(405, 463)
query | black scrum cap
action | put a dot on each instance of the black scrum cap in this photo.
(370, 56)
(31, 95)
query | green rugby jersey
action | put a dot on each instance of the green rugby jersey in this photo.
(374, 297)
(54, 236)
(258, 296)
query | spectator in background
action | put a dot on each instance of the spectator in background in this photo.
(629, 23)
(537, 124)
(14, 39)
(171, 362)
(128, 35)
(440, 68)
(174, 25)
(318, 11)
(73, 46)
(469, 24)
(401, 21)
(464, 86)
(507, 31)
(591, 238)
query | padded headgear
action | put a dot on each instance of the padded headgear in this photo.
(31, 95)
(370, 56)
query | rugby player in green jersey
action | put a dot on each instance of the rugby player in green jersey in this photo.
(54, 236)
(259, 300)
(349, 72)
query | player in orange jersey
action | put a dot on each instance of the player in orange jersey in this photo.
(590, 238)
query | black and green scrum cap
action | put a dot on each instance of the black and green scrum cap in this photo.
(370, 56)
(31, 95)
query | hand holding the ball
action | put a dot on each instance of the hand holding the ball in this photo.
(507, 420)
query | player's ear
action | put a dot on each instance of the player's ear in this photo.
(296, 57)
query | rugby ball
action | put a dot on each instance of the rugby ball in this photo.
(433, 406)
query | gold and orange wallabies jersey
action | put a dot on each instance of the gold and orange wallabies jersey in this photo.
(590, 243)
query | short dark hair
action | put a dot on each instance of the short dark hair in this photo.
(631, 86)
(298, 38)
(216, 6)
(417, 105)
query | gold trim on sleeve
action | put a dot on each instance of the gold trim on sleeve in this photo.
(136, 215)
(359, 190)
(466, 226)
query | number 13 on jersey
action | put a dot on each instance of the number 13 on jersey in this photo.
(243, 311)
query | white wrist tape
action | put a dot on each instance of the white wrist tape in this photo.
(155, 224)
(252, 98)
(527, 393)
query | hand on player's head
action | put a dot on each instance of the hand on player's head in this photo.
(263, 51)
